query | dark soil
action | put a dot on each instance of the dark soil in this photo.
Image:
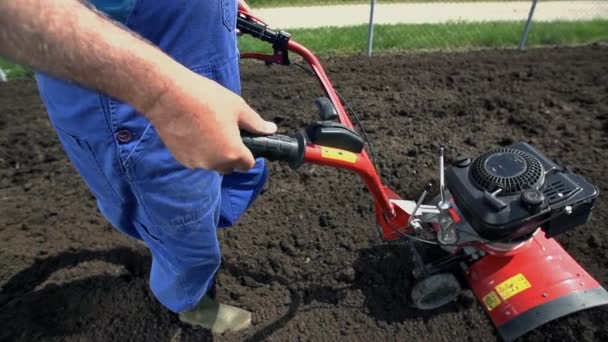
(306, 258)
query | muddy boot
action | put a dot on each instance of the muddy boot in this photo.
(217, 317)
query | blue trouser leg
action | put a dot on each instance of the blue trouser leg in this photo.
(140, 188)
(175, 210)
(185, 208)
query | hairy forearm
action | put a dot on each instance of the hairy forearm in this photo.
(67, 39)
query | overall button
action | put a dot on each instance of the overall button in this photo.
(124, 136)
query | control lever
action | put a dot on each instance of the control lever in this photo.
(447, 232)
(415, 222)
(327, 111)
(336, 135)
(491, 199)
(443, 203)
(439, 213)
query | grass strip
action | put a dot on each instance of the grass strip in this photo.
(13, 71)
(394, 38)
(454, 35)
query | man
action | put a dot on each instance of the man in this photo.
(144, 99)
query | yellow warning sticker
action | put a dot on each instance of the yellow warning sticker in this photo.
(334, 153)
(513, 286)
(491, 300)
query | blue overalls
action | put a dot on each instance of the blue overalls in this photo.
(140, 188)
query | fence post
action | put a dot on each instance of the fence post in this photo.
(370, 32)
(524, 35)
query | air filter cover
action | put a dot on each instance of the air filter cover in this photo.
(508, 169)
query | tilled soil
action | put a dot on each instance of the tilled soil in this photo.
(306, 258)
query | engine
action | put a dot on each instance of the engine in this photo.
(508, 193)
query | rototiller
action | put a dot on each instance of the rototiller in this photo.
(495, 217)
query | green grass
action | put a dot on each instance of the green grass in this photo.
(293, 3)
(349, 40)
(14, 71)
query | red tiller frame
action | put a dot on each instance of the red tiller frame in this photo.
(392, 219)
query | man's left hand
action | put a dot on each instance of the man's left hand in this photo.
(243, 6)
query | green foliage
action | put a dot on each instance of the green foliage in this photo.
(13, 71)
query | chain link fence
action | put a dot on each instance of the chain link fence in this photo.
(425, 24)
(373, 25)
(485, 23)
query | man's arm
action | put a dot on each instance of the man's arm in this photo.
(197, 119)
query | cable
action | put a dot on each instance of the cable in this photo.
(435, 243)
(407, 235)
(305, 68)
(362, 128)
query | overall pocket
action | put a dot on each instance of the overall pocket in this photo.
(144, 134)
(229, 10)
(83, 158)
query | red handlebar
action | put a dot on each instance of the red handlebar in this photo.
(394, 220)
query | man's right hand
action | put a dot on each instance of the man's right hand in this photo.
(199, 121)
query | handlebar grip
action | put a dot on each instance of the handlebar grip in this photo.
(255, 29)
(276, 147)
(278, 39)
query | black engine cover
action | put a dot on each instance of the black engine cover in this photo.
(507, 193)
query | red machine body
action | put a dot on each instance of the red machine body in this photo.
(520, 286)
(532, 285)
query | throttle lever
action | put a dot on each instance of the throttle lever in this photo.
(277, 147)
(327, 111)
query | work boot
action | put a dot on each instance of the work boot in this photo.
(217, 317)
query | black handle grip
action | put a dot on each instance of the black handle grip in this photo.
(276, 147)
(277, 38)
(257, 30)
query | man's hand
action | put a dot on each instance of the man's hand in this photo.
(199, 121)
(243, 6)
